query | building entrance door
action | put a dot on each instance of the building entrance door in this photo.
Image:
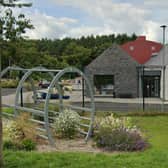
(151, 86)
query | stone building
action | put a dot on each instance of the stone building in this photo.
(113, 73)
(117, 72)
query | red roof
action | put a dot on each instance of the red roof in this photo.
(141, 49)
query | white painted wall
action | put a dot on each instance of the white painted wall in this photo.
(161, 84)
(166, 84)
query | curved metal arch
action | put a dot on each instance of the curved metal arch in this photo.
(20, 85)
(4, 71)
(17, 68)
(55, 81)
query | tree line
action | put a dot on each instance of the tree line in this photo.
(58, 53)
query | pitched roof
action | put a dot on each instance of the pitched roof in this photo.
(158, 59)
(141, 49)
(109, 55)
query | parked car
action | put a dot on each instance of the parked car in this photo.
(44, 84)
(42, 95)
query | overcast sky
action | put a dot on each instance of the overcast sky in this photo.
(76, 18)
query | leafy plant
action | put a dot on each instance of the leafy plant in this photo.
(8, 110)
(20, 134)
(118, 134)
(28, 144)
(20, 129)
(67, 123)
(28, 86)
(8, 144)
(9, 83)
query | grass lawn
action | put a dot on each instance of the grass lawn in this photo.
(156, 156)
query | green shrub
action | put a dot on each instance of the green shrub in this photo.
(118, 134)
(8, 110)
(67, 123)
(28, 145)
(20, 134)
(13, 131)
(8, 144)
(9, 83)
(28, 86)
(20, 129)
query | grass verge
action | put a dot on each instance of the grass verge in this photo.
(156, 156)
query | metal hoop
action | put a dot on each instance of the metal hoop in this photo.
(55, 81)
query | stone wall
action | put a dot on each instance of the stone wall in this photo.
(115, 61)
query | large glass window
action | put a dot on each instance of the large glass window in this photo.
(104, 84)
(151, 86)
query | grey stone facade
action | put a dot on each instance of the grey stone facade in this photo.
(115, 61)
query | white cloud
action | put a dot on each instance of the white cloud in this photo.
(49, 26)
(104, 17)
(112, 17)
(152, 30)
(156, 3)
(88, 30)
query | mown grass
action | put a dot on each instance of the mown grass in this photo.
(156, 128)
(8, 110)
(148, 159)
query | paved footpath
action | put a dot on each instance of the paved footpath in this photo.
(8, 91)
(8, 96)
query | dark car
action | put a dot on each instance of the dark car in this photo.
(44, 84)
(42, 95)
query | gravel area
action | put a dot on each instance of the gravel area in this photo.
(72, 145)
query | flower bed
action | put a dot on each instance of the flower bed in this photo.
(117, 134)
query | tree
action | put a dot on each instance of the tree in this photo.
(76, 55)
(13, 3)
(10, 29)
(13, 29)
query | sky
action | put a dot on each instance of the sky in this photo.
(75, 18)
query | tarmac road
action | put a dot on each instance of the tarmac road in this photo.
(101, 104)
(8, 91)
(8, 96)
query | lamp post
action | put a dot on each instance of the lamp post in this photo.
(163, 67)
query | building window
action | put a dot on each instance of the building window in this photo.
(104, 84)
(131, 48)
(152, 48)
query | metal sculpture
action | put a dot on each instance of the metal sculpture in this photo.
(45, 112)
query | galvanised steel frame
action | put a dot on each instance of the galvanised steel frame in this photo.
(45, 111)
